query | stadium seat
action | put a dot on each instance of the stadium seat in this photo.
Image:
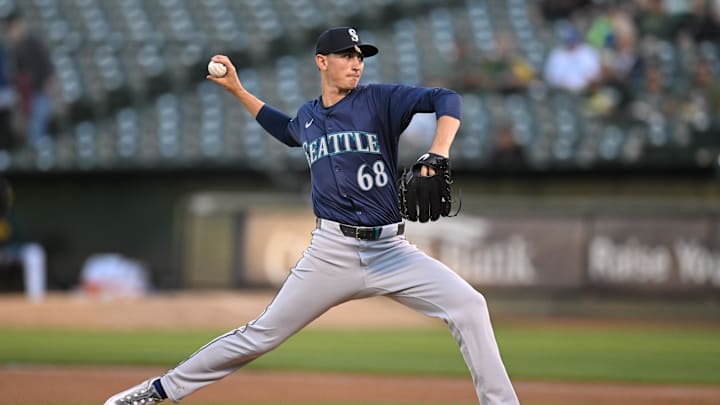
(132, 88)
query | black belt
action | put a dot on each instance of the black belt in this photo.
(367, 233)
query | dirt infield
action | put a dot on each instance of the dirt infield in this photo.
(86, 385)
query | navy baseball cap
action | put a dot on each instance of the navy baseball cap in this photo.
(341, 39)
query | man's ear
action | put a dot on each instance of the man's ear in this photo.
(321, 61)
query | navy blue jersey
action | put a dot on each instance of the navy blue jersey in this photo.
(352, 147)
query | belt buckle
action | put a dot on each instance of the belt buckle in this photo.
(375, 232)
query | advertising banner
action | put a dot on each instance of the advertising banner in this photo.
(651, 254)
(507, 251)
(654, 253)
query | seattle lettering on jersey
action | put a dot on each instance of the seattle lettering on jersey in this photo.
(341, 142)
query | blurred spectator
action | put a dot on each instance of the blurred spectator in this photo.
(656, 104)
(504, 69)
(652, 87)
(613, 34)
(573, 65)
(601, 31)
(507, 154)
(652, 20)
(7, 102)
(114, 276)
(16, 248)
(703, 24)
(467, 75)
(33, 73)
(605, 101)
(623, 59)
(701, 106)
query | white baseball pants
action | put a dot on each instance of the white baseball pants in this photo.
(335, 269)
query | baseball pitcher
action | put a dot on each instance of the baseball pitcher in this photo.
(350, 138)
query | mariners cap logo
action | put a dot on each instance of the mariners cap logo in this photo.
(353, 35)
(340, 39)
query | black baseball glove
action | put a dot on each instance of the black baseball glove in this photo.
(426, 197)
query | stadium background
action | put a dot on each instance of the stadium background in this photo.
(137, 131)
(578, 200)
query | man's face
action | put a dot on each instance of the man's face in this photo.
(15, 30)
(344, 69)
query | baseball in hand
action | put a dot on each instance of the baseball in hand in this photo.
(217, 69)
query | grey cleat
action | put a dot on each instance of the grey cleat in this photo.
(141, 394)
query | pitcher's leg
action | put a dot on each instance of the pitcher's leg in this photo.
(306, 294)
(428, 286)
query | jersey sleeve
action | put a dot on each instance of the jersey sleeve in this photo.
(405, 101)
(278, 124)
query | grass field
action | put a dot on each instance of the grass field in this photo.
(660, 354)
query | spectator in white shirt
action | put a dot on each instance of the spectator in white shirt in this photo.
(572, 65)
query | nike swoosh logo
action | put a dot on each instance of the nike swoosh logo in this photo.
(307, 124)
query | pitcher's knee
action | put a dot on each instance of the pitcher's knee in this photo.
(471, 308)
(477, 302)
